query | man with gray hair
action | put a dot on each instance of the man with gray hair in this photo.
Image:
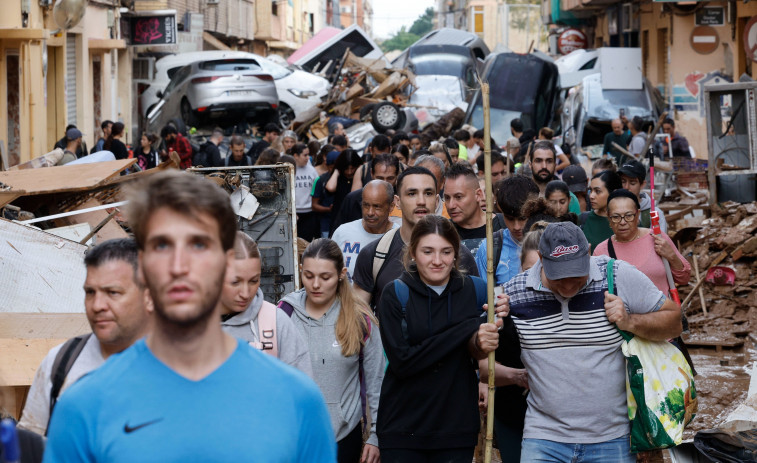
(118, 310)
(377, 204)
(568, 325)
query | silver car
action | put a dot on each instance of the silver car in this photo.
(207, 89)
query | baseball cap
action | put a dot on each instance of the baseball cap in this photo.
(633, 169)
(564, 251)
(575, 177)
(73, 134)
(331, 157)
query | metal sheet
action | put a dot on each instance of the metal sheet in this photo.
(42, 273)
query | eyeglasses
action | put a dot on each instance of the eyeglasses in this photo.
(628, 217)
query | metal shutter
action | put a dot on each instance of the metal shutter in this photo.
(71, 79)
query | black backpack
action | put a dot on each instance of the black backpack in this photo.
(65, 359)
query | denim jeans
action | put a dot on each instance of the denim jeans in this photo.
(545, 451)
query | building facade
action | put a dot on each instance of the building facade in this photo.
(684, 47)
(50, 78)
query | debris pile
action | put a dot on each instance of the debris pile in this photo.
(721, 301)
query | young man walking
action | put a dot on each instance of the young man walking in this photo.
(189, 392)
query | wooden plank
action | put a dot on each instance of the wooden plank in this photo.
(42, 325)
(717, 343)
(22, 357)
(80, 177)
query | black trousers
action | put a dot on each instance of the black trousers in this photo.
(308, 227)
(462, 455)
(348, 449)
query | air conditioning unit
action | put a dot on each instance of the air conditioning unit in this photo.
(213, 2)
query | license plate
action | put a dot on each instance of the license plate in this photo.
(240, 92)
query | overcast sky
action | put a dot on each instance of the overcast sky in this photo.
(390, 15)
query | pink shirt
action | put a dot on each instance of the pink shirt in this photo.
(640, 253)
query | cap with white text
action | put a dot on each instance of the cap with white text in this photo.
(564, 251)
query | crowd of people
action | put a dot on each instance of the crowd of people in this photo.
(386, 342)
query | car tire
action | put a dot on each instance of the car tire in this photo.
(286, 115)
(187, 114)
(402, 121)
(178, 123)
(366, 110)
(385, 116)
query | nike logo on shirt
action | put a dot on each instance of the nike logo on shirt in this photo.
(130, 429)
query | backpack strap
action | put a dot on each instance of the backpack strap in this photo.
(481, 296)
(403, 293)
(65, 359)
(498, 238)
(382, 251)
(287, 308)
(267, 341)
(361, 373)
(611, 248)
(582, 218)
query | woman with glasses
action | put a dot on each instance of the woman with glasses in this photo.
(639, 246)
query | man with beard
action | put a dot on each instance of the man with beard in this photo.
(380, 262)
(543, 163)
(189, 392)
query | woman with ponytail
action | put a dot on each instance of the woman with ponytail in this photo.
(343, 339)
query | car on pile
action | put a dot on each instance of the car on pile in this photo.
(297, 90)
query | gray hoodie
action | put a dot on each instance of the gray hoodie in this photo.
(646, 204)
(292, 348)
(336, 375)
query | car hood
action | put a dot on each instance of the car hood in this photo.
(302, 80)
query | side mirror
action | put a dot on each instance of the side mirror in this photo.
(159, 94)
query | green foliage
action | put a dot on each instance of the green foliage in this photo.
(404, 38)
(674, 405)
(424, 23)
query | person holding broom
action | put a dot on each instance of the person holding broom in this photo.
(431, 326)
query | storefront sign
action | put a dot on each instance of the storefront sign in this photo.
(571, 39)
(711, 16)
(147, 30)
(704, 40)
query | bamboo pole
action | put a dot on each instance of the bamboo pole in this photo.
(489, 263)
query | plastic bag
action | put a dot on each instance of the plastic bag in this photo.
(660, 389)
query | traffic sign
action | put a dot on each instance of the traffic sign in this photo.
(704, 40)
(571, 39)
(750, 39)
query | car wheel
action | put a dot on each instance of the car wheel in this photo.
(187, 115)
(365, 110)
(179, 125)
(286, 115)
(385, 116)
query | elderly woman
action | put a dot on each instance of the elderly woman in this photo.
(638, 246)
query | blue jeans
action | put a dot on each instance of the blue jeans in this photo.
(545, 451)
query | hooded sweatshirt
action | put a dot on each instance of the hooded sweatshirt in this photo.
(646, 205)
(292, 349)
(429, 398)
(337, 375)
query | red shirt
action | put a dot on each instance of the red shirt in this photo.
(183, 148)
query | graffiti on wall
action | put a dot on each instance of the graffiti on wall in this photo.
(690, 95)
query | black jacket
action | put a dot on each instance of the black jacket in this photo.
(429, 397)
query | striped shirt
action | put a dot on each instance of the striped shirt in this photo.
(572, 353)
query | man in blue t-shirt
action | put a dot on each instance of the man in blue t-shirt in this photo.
(512, 193)
(189, 392)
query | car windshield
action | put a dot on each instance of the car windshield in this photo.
(606, 104)
(440, 65)
(231, 65)
(499, 121)
(275, 70)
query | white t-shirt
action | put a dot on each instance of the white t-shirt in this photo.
(304, 177)
(36, 412)
(351, 237)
